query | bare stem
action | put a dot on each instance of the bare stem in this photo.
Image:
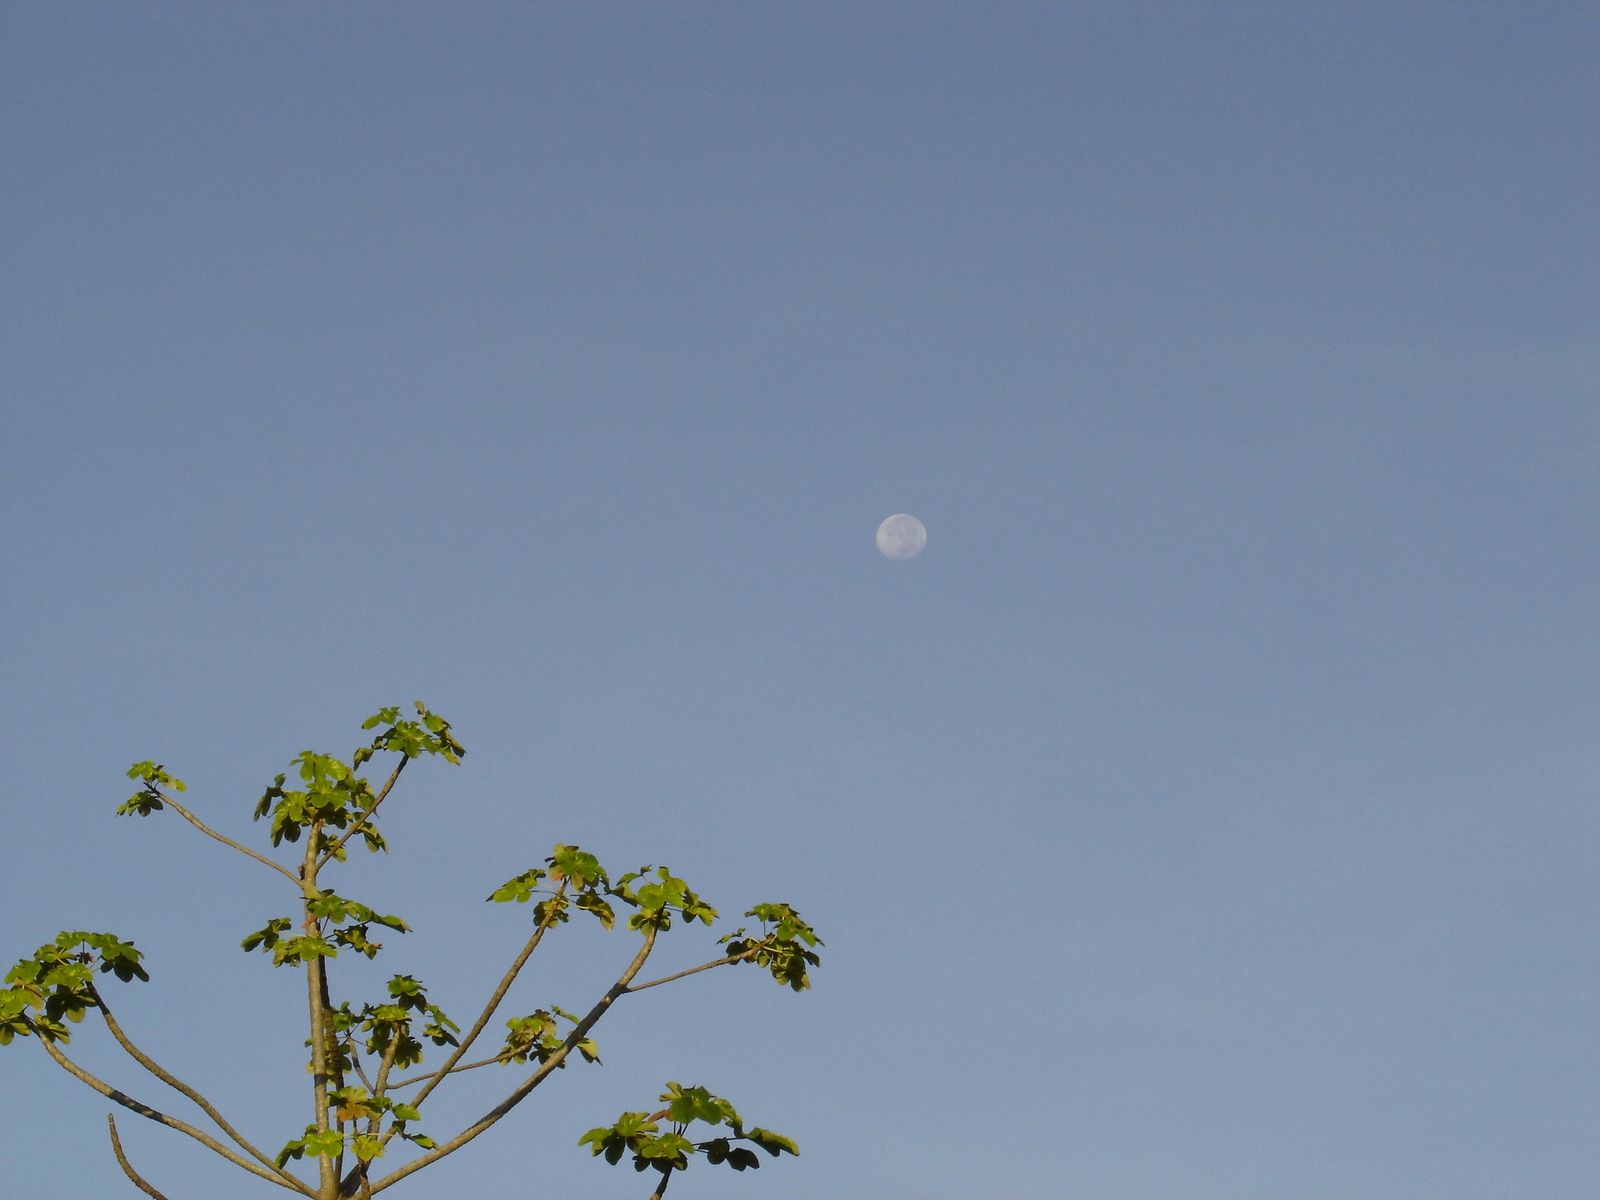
(385, 1066)
(503, 1056)
(228, 841)
(579, 1032)
(178, 1085)
(716, 962)
(161, 1118)
(127, 1167)
(661, 1188)
(355, 1061)
(332, 851)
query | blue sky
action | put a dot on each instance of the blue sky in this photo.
(1208, 812)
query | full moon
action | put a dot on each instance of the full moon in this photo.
(901, 536)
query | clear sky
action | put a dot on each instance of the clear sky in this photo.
(1208, 812)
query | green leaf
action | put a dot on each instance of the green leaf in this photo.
(593, 902)
(268, 936)
(578, 867)
(773, 1143)
(519, 889)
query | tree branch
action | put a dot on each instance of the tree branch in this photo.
(228, 841)
(661, 1188)
(579, 1032)
(716, 962)
(507, 1055)
(355, 1061)
(178, 1085)
(494, 1000)
(503, 1056)
(161, 1118)
(337, 845)
(385, 1065)
(127, 1168)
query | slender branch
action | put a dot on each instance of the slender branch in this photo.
(386, 1065)
(127, 1167)
(661, 1188)
(716, 962)
(172, 1081)
(355, 1061)
(508, 1055)
(579, 1032)
(228, 841)
(161, 1118)
(489, 1008)
(338, 844)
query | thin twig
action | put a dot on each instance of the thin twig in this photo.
(127, 1167)
(172, 1081)
(661, 1188)
(579, 1032)
(716, 962)
(503, 1057)
(386, 1065)
(355, 1061)
(228, 841)
(161, 1118)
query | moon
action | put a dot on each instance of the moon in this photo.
(901, 536)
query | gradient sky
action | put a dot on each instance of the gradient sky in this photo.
(1209, 812)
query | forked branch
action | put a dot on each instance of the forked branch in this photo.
(493, 1003)
(579, 1032)
(172, 1081)
(161, 1118)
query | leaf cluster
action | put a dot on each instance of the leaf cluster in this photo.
(349, 925)
(784, 948)
(350, 1106)
(669, 1149)
(536, 1037)
(333, 796)
(393, 1031)
(428, 734)
(148, 799)
(58, 982)
(574, 878)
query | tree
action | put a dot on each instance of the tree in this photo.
(363, 1100)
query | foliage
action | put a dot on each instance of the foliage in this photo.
(356, 1048)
